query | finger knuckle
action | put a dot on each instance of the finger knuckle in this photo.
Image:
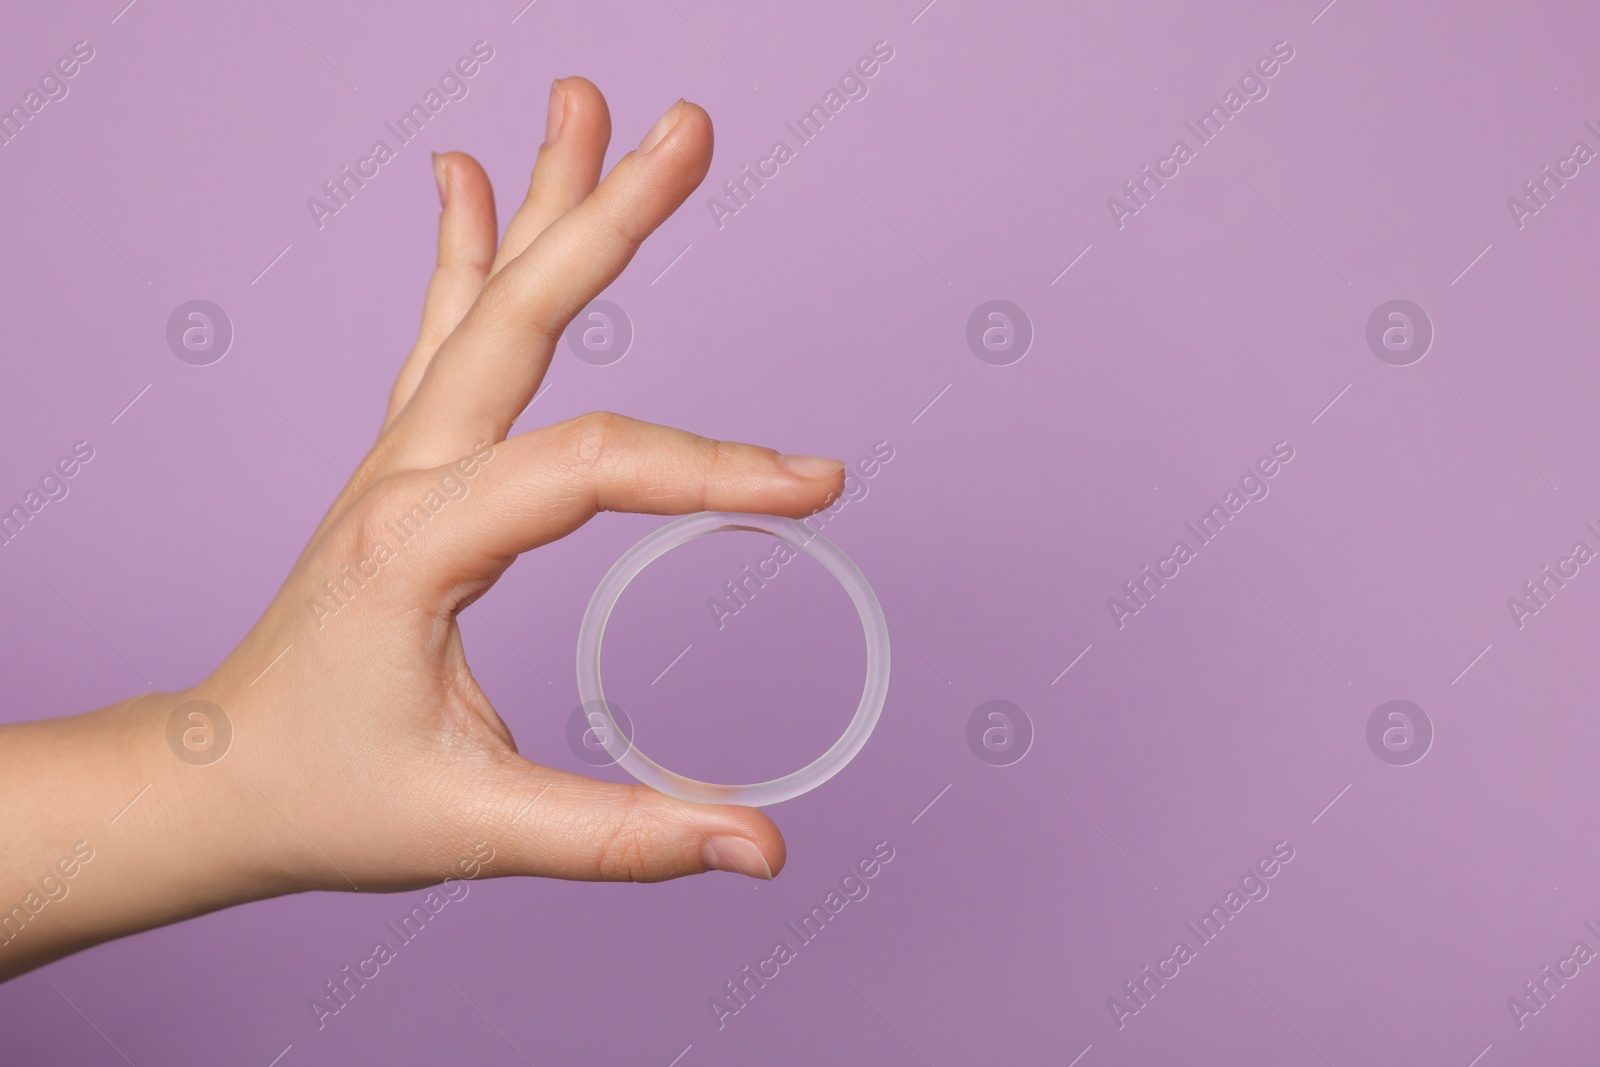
(593, 436)
(628, 847)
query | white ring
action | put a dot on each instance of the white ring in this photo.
(756, 794)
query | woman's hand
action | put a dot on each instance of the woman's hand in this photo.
(366, 756)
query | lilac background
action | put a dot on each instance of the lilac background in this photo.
(1222, 318)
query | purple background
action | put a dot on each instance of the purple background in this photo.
(1225, 316)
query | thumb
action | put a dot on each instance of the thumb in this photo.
(560, 825)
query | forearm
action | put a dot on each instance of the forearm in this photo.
(107, 833)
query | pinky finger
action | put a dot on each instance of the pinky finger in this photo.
(467, 239)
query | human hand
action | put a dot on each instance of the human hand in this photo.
(367, 756)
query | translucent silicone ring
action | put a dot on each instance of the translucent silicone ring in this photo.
(757, 794)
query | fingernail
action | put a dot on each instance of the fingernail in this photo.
(662, 127)
(811, 466)
(737, 855)
(558, 111)
(439, 177)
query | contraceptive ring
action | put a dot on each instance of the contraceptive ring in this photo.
(756, 794)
